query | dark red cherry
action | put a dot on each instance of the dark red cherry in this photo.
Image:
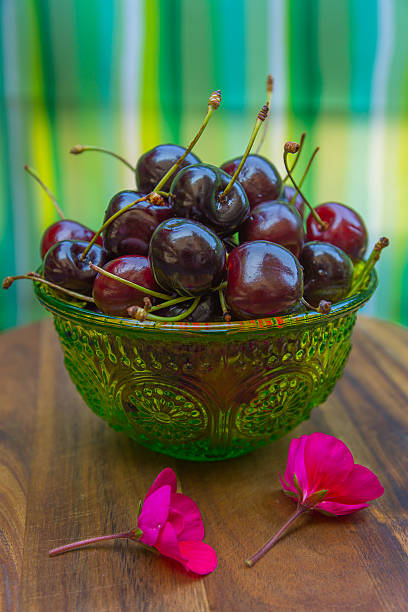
(196, 194)
(258, 177)
(345, 230)
(154, 164)
(299, 203)
(131, 232)
(113, 297)
(208, 309)
(187, 257)
(64, 267)
(263, 279)
(328, 272)
(277, 222)
(65, 229)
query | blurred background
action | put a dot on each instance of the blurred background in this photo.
(130, 74)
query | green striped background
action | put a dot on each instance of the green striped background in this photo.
(130, 74)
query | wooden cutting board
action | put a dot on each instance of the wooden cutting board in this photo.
(64, 475)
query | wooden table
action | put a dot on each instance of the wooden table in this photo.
(65, 475)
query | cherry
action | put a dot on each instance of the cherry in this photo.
(328, 272)
(196, 193)
(277, 222)
(290, 194)
(64, 229)
(187, 257)
(263, 279)
(259, 178)
(154, 164)
(332, 222)
(113, 297)
(345, 228)
(64, 265)
(207, 310)
(130, 233)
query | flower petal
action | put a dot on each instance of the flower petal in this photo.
(193, 528)
(296, 465)
(328, 462)
(201, 558)
(166, 477)
(360, 486)
(167, 544)
(339, 509)
(154, 514)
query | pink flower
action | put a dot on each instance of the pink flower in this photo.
(171, 522)
(322, 463)
(321, 475)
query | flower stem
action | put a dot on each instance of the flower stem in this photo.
(266, 547)
(113, 536)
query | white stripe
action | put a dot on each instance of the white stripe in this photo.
(277, 62)
(377, 138)
(132, 41)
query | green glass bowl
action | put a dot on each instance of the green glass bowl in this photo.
(205, 391)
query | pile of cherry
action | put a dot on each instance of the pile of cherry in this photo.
(201, 243)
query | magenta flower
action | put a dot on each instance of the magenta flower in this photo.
(321, 475)
(171, 523)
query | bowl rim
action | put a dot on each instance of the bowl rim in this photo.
(68, 310)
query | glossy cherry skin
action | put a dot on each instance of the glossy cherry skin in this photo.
(277, 222)
(258, 177)
(209, 309)
(113, 297)
(131, 232)
(196, 194)
(263, 279)
(65, 229)
(346, 228)
(153, 165)
(63, 265)
(328, 272)
(187, 257)
(287, 194)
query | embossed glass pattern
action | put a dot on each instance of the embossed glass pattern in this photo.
(205, 391)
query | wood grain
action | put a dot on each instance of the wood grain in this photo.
(65, 475)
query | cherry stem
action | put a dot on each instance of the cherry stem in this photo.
(269, 90)
(369, 265)
(33, 276)
(109, 221)
(302, 180)
(35, 176)
(179, 317)
(302, 140)
(213, 104)
(324, 306)
(124, 281)
(77, 149)
(178, 300)
(263, 113)
(270, 543)
(293, 147)
(62, 549)
(225, 312)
